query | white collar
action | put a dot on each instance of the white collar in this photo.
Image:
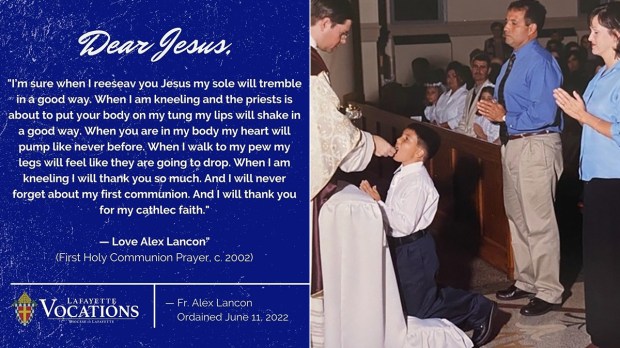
(410, 168)
(461, 89)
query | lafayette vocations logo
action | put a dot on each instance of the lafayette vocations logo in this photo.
(24, 309)
(77, 310)
(85, 310)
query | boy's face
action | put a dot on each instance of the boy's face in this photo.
(407, 148)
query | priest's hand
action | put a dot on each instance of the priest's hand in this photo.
(370, 190)
(382, 147)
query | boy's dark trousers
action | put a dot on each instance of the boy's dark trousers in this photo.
(416, 265)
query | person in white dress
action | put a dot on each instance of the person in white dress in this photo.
(432, 94)
(449, 108)
(483, 128)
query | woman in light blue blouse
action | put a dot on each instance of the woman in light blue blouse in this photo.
(599, 113)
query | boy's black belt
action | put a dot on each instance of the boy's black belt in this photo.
(398, 241)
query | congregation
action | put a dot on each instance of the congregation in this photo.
(445, 95)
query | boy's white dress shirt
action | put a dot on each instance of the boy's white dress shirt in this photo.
(411, 201)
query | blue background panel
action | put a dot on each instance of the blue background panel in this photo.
(40, 43)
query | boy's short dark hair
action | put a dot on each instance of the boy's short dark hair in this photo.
(428, 139)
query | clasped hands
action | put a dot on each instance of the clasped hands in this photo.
(492, 110)
(573, 106)
(370, 190)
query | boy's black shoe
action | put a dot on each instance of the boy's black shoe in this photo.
(482, 333)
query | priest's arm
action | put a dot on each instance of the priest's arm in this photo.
(334, 141)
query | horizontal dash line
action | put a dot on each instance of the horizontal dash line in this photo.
(163, 284)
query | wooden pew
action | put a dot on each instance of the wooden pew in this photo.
(468, 175)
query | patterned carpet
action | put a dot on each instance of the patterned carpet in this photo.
(560, 328)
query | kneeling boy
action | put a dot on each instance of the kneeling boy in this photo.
(410, 207)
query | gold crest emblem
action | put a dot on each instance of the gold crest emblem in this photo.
(24, 309)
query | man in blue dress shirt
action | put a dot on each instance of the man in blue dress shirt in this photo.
(531, 157)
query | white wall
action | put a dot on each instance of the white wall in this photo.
(438, 54)
(464, 10)
(340, 65)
